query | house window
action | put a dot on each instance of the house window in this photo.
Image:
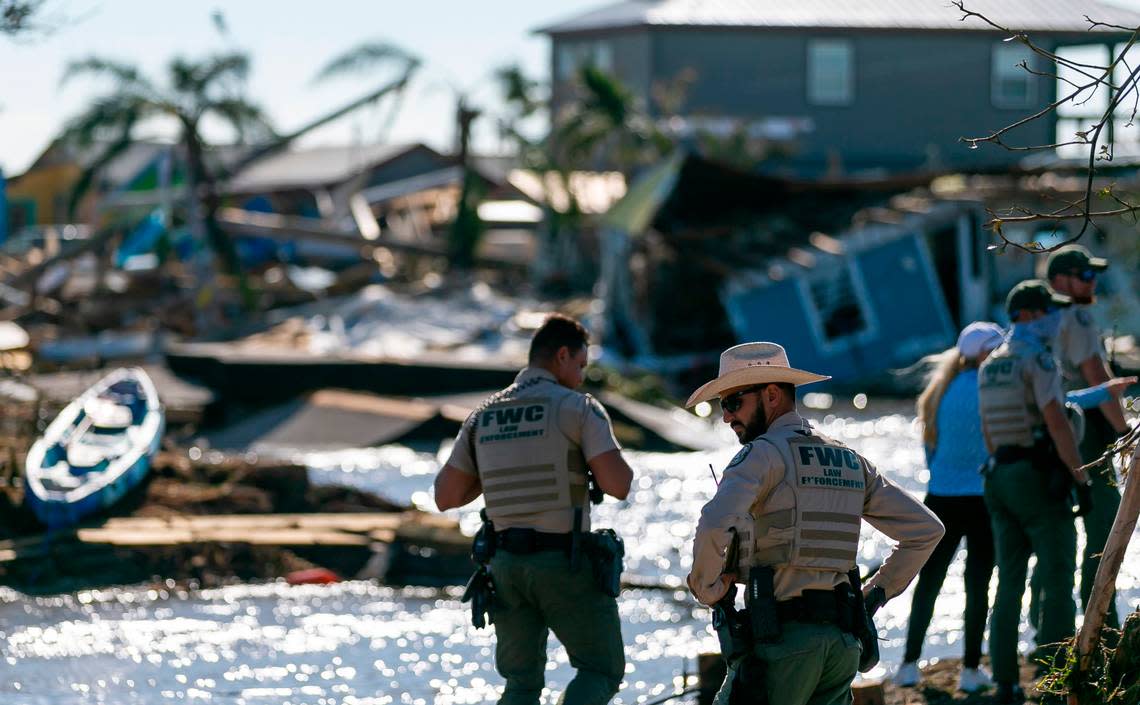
(1082, 112)
(1012, 86)
(838, 306)
(574, 55)
(831, 72)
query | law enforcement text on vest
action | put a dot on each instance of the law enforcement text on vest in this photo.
(812, 518)
(1014, 384)
(533, 475)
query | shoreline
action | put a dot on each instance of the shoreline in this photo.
(216, 523)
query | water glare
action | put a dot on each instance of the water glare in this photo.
(357, 643)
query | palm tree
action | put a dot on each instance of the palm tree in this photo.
(210, 89)
(16, 15)
(196, 91)
(466, 228)
(606, 123)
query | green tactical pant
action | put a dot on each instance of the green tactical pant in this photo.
(1106, 500)
(812, 664)
(538, 593)
(1027, 520)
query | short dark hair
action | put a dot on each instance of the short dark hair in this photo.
(557, 331)
(788, 389)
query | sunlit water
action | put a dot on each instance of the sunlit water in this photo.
(357, 643)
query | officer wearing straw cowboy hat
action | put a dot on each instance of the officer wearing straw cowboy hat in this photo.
(796, 500)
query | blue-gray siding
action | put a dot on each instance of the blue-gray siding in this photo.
(915, 93)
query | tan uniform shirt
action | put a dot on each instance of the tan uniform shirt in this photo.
(580, 418)
(1077, 341)
(1015, 384)
(748, 483)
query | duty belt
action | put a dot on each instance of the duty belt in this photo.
(524, 541)
(1004, 455)
(813, 607)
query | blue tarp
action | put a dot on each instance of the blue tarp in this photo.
(255, 251)
(142, 239)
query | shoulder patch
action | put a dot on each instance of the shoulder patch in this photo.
(1046, 361)
(597, 408)
(740, 455)
(1083, 317)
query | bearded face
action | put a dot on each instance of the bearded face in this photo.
(748, 420)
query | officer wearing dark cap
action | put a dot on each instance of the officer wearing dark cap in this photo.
(1073, 271)
(1034, 457)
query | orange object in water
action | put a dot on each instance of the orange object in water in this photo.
(312, 576)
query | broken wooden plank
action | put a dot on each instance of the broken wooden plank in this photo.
(353, 522)
(260, 537)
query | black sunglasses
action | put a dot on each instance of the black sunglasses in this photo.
(734, 401)
(1085, 275)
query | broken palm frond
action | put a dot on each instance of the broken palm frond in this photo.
(1111, 676)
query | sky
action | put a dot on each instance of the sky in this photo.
(461, 43)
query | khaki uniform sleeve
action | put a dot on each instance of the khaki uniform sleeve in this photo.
(585, 421)
(746, 480)
(1045, 380)
(1080, 338)
(899, 515)
(460, 457)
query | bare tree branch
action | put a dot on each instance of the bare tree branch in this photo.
(1089, 80)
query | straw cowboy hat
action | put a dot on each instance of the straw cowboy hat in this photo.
(750, 364)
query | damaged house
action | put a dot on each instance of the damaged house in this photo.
(700, 256)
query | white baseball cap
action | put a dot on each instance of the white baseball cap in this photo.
(979, 337)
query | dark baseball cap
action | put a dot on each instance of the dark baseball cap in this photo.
(1073, 258)
(1034, 295)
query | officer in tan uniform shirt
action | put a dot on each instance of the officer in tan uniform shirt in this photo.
(1073, 271)
(796, 500)
(526, 450)
(1034, 463)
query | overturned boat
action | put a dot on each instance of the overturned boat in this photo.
(97, 449)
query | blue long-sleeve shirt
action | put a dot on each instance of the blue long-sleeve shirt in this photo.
(956, 461)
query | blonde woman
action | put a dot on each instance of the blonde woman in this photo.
(955, 451)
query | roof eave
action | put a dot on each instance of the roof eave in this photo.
(1091, 33)
(558, 31)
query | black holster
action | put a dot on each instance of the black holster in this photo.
(606, 552)
(732, 628)
(764, 616)
(1058, 479)
(484, 544)
(737, 633)
(480, 592)
(480, 589)
(863, 625)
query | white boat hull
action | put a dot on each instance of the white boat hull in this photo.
(96, 450)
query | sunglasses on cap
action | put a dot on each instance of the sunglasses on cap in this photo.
(1085, 275)
(734, 401)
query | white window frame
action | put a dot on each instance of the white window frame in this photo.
(830, 61)
(870, 328)
(1005, 65)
